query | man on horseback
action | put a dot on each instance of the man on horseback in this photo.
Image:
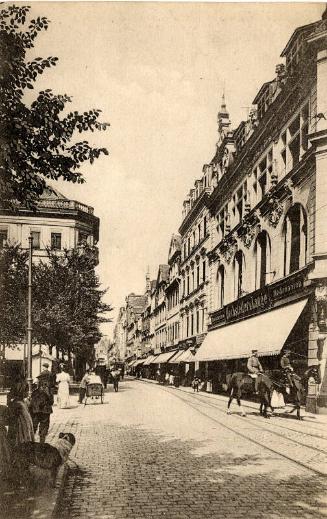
(287, 368)
(255, 369)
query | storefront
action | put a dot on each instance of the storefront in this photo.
(277, 316)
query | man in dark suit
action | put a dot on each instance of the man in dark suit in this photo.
(41, 408)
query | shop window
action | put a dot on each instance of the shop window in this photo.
(239, 269)
(3, 237)
(221, 285)
(295, 239)
(262, 252)
(35, 239)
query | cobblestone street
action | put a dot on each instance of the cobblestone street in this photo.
(151, 451)
(137, 459)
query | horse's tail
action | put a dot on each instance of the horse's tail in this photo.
(230, 383)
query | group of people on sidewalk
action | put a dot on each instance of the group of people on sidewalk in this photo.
(23, 417)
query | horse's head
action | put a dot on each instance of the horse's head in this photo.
(314, 372)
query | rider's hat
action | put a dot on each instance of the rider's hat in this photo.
(254, 351)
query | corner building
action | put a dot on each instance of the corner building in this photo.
(266, 239)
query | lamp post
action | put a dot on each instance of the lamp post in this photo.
(29, 317)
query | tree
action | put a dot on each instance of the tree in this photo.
(67, 302)
(13, 290)
(67, 307)
(37, 142)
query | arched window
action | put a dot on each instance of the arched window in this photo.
(262, 253)
(220, 285)
(239, 270)
(295, 239)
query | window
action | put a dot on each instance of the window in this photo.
(262, 252)
(205, 226)
(238, 274)
(221, 285)
(294, 139)
(35, 239)
(184, 250)
(188, 245)
(188, 283)
(239, 200)
(197, 321)
(3, 237)
(197, 275)
(193, 284)
(262, 176)
(223, 222)
(204, 271)
(56, 240)
(192, 324)
(82, 237)
(295, 239)
(199, 232)
(187, 325)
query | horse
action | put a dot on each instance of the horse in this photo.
(240, 383)
(298, 388)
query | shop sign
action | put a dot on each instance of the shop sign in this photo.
(259, 301)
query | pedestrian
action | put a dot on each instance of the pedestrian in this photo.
(20, 421)
(167, 378)
(171, 379)
(82, 386)
(46, 378)
(63, 380)
(40, 409)
(196, 383)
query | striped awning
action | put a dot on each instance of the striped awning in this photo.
(149, 360)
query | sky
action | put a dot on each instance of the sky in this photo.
(157, 71)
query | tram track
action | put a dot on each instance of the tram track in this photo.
(271, 423)
(311, 453)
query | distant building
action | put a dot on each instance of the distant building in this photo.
(173, 292)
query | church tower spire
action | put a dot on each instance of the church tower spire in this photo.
(223, 119)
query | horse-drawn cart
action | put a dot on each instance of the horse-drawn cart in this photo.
(94, 391)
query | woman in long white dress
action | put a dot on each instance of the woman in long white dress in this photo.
(63, 389)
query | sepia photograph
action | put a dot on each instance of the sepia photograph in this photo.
(163, 260)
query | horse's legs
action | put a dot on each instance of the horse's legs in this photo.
(238, 398)
(230, 401)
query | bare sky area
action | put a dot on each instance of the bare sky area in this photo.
(157, 72)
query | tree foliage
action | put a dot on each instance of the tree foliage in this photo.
(37, 142)
(13, 299)
(67, 304)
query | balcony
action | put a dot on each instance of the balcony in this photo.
(70, 205)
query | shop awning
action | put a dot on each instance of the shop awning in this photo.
(149, 360)
(175, 358)
(132, 362)
(164, 357)
(138, 362)
(266, 332)
(187, 356)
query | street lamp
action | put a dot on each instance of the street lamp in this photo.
(29, 317)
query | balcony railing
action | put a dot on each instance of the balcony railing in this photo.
(65, 204)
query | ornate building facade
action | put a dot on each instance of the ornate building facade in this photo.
(268, 262)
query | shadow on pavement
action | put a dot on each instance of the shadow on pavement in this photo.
(138, 474)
